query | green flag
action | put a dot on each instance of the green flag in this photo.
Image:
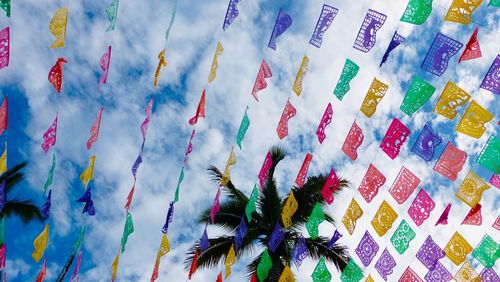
(419, 92)
(129, 229)
(264, 266)
(402, 237)
(352, 273)
(181, 178)
(321, 273)
(5, 4)
(250, 207)
(348, 73)
(48, 182)
(112, 12)
(417, 12)
(489, 156)
(315, 219)
(245, 123)
(487, 252)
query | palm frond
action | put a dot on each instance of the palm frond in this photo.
(337, 255)
(25, 209)
(13, 176)
(228, 217)
(232, 192)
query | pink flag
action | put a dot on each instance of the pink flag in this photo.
(301, 176)
(200, 111)
(331, 185)
(55, 74)
(421, 207)
(49, 137)
(352, 142)
(264, 171)
(104, 64)
(443, 219)
(495, 178)
(288, 112)
(3, 257)
(94, 130)
(189, 148)
(327, 118)
(75, 277)
(260, 81)
(394, 138)
(371, 182)
(145, 123)
(4, 115)
(405, 183)
(474, 216)
(215, 206)
(496, 224)
(450, 162)
(4, 47)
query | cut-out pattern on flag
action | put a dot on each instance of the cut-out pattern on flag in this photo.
(170, 217)
(495, 180)
(297, 85)
(489, 275)
(410, 276)
(331, 185)
(490, 154)
(373, 97)
(394, 138)
(88, 174)
(49, 137)
(4, 47)
(472, 49)
(231, 13)
(384, 218)
(417, 11)
(353, 141)
(461, 11)
(443, 218)
(89, 204)
(264, 266)
(283, 22)
(487, 252)
(104, 64)
(300, 251)
(404, 185)
(45, 208)
(351, 216)
(426, 142)
(215, 207)
(321, 273)
(473, 120)
(471, 189)
(450, 162)
(457, 249)
(162, 62)
(41, 242)
(443, 48)
(491, 80)
(200, 110)
(189, 148)
(41, 275)
(315, 219)
(438, 274)
(4, 113)
(494, 3)
(496, 224)
(238, 238)
(181, 178)
(94, 129)
(288, 112)
(112, 13)
(371, 183)
(396, 40)
(325, 120)
(385, 264)
(335, 237)
(286, 275)
(276, 237)
(251, 204)
(351, 273)
(429, 253)
(244, 125)
(474, 216)
(301, 176)
(204, 243)
(127, 230)
(451, 98)
(5, 5)
(402, 237)
(264, 171)
(215, 64)
(367, 34)
(57, 27)
(56, 74)
(289, 209)
(226, 176)
(349, 71)
(421, 207)
(466, 273)
(367, 249)
(417, 95)
(328, 14)
(260, 80)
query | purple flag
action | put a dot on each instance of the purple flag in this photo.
(396, 40)
(336, 236)
(489, 275)
(367, 249)
(46, 207)
(89, 204)
(231, 14)
(385, 264)
(300, 251)
(426, 143)
(328, 13)
(170, 217)
(438, 274)
(367, 34)
(204, 243)
(3, 199)
(430, 253)
(441, 51)
(240, 233)
(491, 81)
(283, 22)
(276, 237)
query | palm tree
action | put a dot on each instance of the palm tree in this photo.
(268, 212)
(25, 209)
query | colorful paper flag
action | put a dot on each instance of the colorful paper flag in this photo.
(41, 242)
(487, 252)
(230, 260)
(231, 13)
(88, 174)
(276, 237)
(417, 11)
(471, 189)
(372, 181)
(56, 74)
(170, 217)
(325, 120)
(286, 275)
(426, 142)
(315, 219)
(377, 91)
(385, 264)
(352, 272)
(265, 170)
(396, 40)
(491, 81)
(430, 253)
(289, 209)
(189, 148)
(402, 237)
(384, 218)
(3, 160)
(443, 48)
(474, 216)
(457, 249)
(450, 162)
(283, 22)
(300, 251)
(461, 11)
(240, 234)
(331, 185)
(351, 216)
(264, 266)
(336, 236)
(466, 273)
(473, 121)
(288, 112)
(226, 176)
(301, 176)
(421, 207)
(4, 46)
(162, 62)
(394, 138)
(349, 71)
(410, 276)
(438, 274)
(89, 204)
(181, 178)
(57, 27)
(104, 64)
(215, 206)
(5, 5)
(112, 13)
(200, 111)
(490, 154)
(443, 218)
(114, 266)
(245, 123)
(472, 49)
(41, 275)
(321, 273)
(148, 111)
(49, 137)
(130, 196)
(405, 183)
(94, 129)
(328, 14)
(297, 85)
(367, 34)
(417, 95)
(260, 80)
(353, 141)
(213, 69)
(172, 19)
(367, 249)
(46, 207)
(75, 277)
(451, 98)
(127, 230)
(251, 204)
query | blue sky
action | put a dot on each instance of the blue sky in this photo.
(136, 42)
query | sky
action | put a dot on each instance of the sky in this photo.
(136, 42)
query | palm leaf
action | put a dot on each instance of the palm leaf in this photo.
(13, 176)
(337, 255)
(26, 210)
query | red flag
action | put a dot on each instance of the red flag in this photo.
(288, 112)
(472, 49)
(443, 219)
(219, 277)
(4, 115)
(474, 216)
(200, 111)
(301, 176)
(260, 81)
(129, 197)
(94, 130)
(194, 265)
(55, 74)
(49, 137)
(41, 274)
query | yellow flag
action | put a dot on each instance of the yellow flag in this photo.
(162, 62)
(164, 246)
(289, 209)
(384, 218)
(88, 173)
(230, 260)
(3, 160)
(457, 249)
(41, 242)
(352, 214)
(226, 176)
(451, 98)
(373, 96)
(369, 279)
(473, 120)
(286, 275)
(114, 266)
(297, 85)
(461, 11)
(467, 273)
(213, 69)
(57, 27)
(471, 189)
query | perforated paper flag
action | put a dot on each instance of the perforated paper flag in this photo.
(3, 160)
(367, 34)
(384, 218)
(231, 13)
(226, 176)
(260, 80)
(410, 276)
(297, 85)
(5, 5)
(301, 176)
(457, 249)
(473, 121)
(491, 80)
(490, 155)
(352, 272)
(417, 95)
(321, 273)
(421, 207)
(189, 148)
(300, 251)
(487, 252)
(87, 199)
(471, 189)
(417, 11)
(283, 22)
(215, 207)
(41, 242)
(443, 219)
(335, 237)
(94, 130)
(402, 237)
(394, 138)
(451, 98)
(181, 178)
(264, 265)
(443, 48)
(371, 183)
(405, 183)
(147, 120)
(288, 112)
(385, 264)
(466, 273)
(245, 123)
(112, 13)
(325, 120)
(276, 237)
(127, 230)
(426, 142)
(438, 274)
(88, 174)
(264, 171)
(204, 243)
(474, 216)
(289, 210)
(351, 216)
(430, 253)
(56, 74)
(4, 47)
(396, 40)
(349, 71)
(331, 185)
(367, 249)
(49, 137)
(230, 260)
(495, 180)
(215, 64)
(170, 217)
(286, 275)
(104, 64)
(489, 275)
(373, 97)
(353, 141)
(328, 13)
(461, 11)
(250, 207)
(450, 162)
(114, 267)
(240, 234)
(315, 219)
(472, 49)
(57, 27)
(46, 207)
